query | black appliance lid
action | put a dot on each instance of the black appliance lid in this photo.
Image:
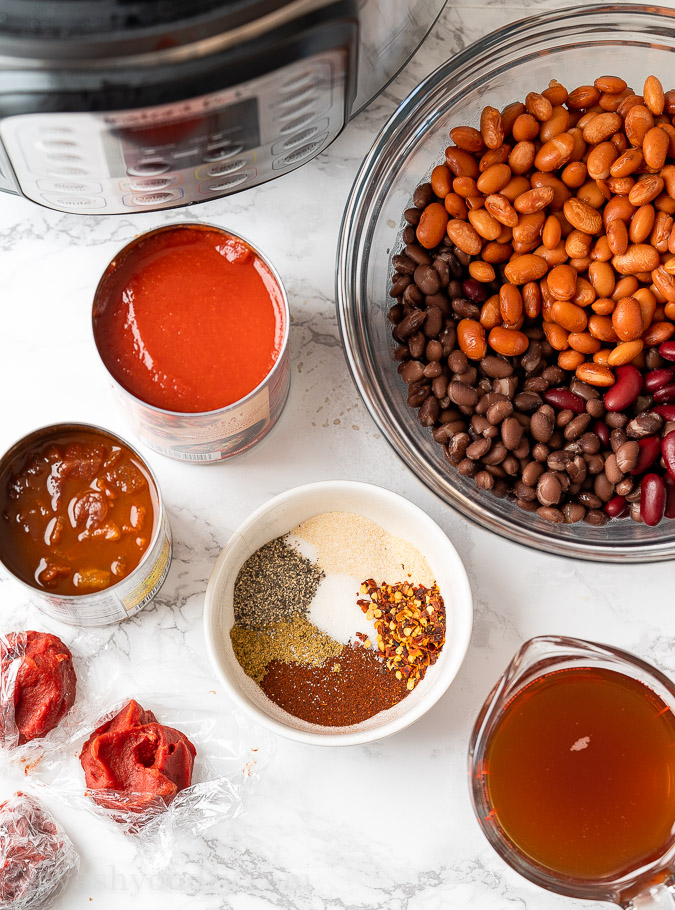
(114, 19)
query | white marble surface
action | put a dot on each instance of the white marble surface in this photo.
(384, 826)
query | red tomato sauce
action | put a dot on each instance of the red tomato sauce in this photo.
(189, 319)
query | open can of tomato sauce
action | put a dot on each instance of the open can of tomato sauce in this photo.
(192, 323)
(82, 524)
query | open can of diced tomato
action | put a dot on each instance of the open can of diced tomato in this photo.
(82, 524)
(192, 324)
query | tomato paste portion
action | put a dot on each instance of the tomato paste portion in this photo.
(189, 319)
(131, 763)
(44, 685)
(36, 855)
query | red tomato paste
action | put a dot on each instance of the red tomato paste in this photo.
(189, 319)
(44, 685)
(138, 761)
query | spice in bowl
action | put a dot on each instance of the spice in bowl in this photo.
(337, 620)
(534, 319)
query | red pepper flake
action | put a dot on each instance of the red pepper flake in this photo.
(410, 625)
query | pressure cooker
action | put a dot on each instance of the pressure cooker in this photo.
(118, 106)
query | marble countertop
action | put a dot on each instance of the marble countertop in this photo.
(387, 826)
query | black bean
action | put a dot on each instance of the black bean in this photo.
(573, 512)
(464, 309)
(412, 296)
(434, 322)
(577, 426)
(410, 324)
(412, 216)
(498, 411)
(616, 419)
(426, 279)
(496, 367)
(646, 424)
(412, 371)
(418, 254)
(478, 448)
(550, 514)
(596, 518)
(428, 413)
(484, 480)
(423, 195)
(549, 489)
(463, 395)
(496, 455)
(417, 344)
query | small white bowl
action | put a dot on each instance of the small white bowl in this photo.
(397, 516)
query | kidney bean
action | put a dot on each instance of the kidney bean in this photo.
(601, 431)
(625, 390)
(616, 507)
(656, 379)
(667, 350)
(564, 398)
(652, 499)
(668, 452)
(667, 411)
(650, 449)
(665, 394)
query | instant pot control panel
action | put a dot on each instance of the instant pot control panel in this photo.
(189, 151)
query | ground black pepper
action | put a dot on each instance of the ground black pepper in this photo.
(275, 584)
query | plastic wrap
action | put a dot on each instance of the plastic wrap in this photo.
(38, 688)
(175, 684)
(229, 755)
(36, 855)
(12, 653)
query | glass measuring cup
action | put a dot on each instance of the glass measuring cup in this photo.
(647, 883)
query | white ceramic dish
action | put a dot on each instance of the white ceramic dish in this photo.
(397, 516)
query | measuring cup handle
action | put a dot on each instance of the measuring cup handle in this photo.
(658, 897)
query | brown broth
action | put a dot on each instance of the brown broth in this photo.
(580, 772)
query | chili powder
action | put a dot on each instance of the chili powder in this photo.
(346, 690)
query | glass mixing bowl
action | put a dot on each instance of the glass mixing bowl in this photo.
(574, 46)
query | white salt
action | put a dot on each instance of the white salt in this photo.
(335, 611)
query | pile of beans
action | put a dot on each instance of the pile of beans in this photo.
(535, 302)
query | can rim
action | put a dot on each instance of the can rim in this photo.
(54, 429)
(286, 318)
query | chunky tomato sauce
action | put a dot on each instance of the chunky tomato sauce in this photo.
(76, 513)
(189, 319)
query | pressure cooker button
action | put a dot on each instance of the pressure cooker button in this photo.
(158, 198)
(69, 186)
(152, 168)
(300, 80)
(300, 154)
(63, 156)
(307, 94)
(304, 135)
(221, 152)
(298, 124)
(141, 184)
(301, 110)
(67, 171)
(223, 186)
(74, 202)
(228, 167)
